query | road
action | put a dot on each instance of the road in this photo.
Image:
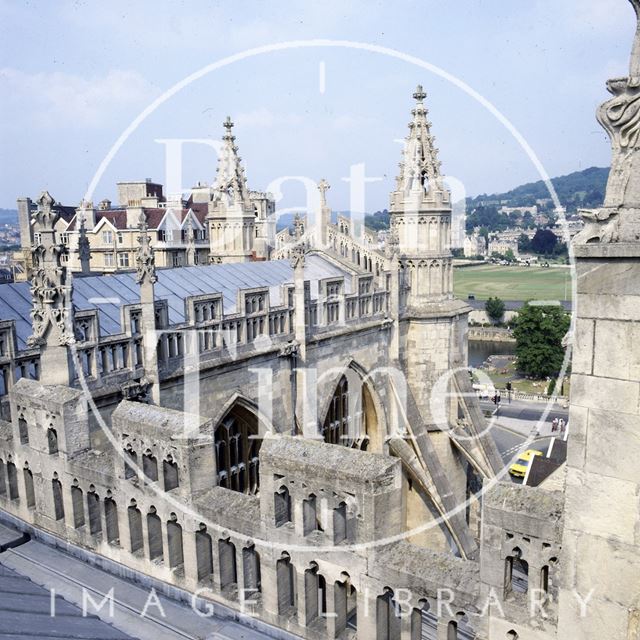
(514, 423)
(525, 410)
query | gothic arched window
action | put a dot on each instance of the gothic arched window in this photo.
(346, 423)
(237, 445)
(336, 424)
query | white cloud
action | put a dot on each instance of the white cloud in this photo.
(59, 99)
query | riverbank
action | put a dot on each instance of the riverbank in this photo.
(491, 334)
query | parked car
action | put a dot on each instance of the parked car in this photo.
(519, 468)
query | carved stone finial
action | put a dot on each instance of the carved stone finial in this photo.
(190, 231)
(323, 185)
(145, 260)
(84, 248)
(51, 283)
(44, 216)
(228, 134)
(297, 255)
(419, 94)
(619, 219)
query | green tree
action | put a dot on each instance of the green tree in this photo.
(484, 232)
(544, 242)
(527, 220)
(524, 244)
(509, 255)
(539, 331)
(495, 309)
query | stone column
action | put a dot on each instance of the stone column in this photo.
(190, 554)
(301, 598)
(146, 278)
(366, 614)
(269, 586)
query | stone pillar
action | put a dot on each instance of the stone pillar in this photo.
(146, 278)
(405, 625)
(215, 556)
(300, 332)
(301, 597)
(366, 614)
(123, 527)
(67, 502)
(324, 216)
(332, 614)
(269, 586)
(190, 555)
(51, 290)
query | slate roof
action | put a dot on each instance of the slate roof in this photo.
(154, 215)
(108, 293)
(25, 608)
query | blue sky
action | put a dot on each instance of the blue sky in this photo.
(73, 75)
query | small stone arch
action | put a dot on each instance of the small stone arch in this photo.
(516, 572)
(111, 520)
(204, 554)
(388, 616)
(136, 538)
(77, 503)
(154, 531)
(58, 502)
(286, 586)
(150, 465)
(170, 473)
(228, 566)
(52, 440)
(28, 485)
(174, 542)
(315, 595)
(251, 570)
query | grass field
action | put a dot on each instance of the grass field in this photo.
(513, 283)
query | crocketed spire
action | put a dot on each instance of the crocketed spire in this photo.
(420, 167)
(230, 184)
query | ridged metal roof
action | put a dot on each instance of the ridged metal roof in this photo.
(108, 293)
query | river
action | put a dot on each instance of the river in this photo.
(480, 350)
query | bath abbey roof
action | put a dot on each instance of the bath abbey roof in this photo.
(108, 294)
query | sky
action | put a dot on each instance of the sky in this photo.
(75, 75)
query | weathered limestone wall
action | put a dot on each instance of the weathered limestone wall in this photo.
(602, 530)
(521, 523)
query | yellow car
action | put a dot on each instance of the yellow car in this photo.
(520, 466)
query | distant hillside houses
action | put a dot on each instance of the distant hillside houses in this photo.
(532, 210)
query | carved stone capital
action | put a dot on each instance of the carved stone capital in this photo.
(289, 349)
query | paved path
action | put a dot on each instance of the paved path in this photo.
(522, 416)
